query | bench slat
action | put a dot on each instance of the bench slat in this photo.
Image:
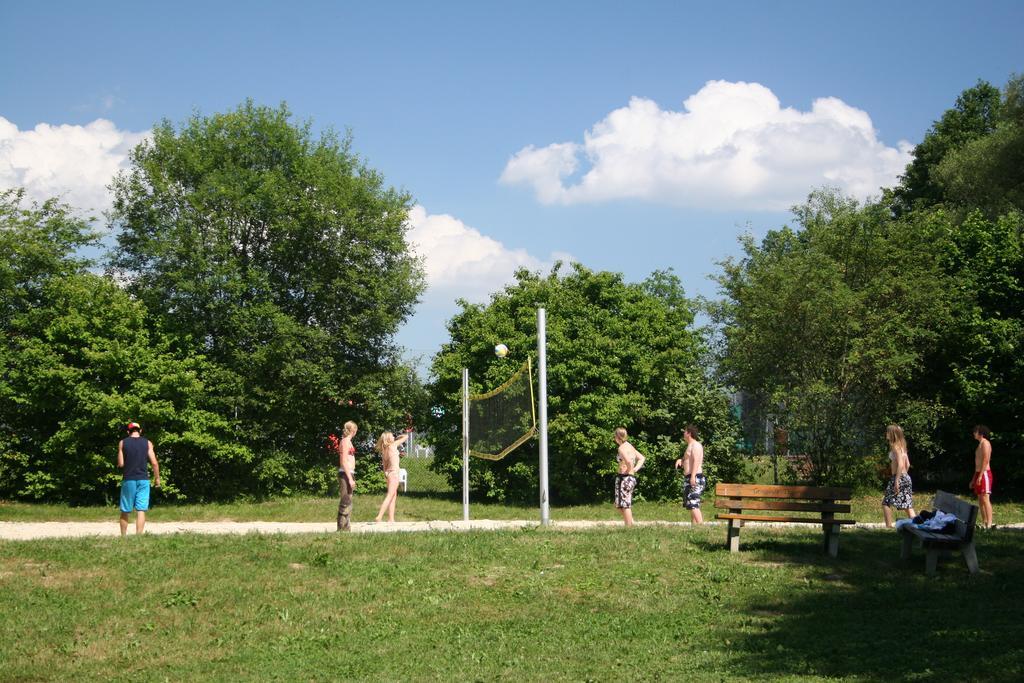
(953, 505)
(793, 492)
(966, 513)
(932, 535)
(785, 505)
(766, 518)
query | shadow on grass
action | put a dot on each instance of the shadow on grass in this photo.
(871, 616)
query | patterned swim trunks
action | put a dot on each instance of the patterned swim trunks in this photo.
(624, 486)
(691, 494)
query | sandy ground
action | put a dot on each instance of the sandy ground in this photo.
(23, 531)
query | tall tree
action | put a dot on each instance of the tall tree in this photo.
(975, 115)
(828, 326)
(37, 244)
(981, 363)
(85, 360)
(280, 257)
(619, 354)
(987, 173)
(79, 358)
(980, 184)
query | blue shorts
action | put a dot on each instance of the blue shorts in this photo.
(135, 495)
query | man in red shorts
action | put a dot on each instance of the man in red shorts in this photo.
(981, 483)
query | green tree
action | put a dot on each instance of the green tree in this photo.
(37, 242)
(975, 115)
(619, 354)
(281, 259)
(987, 173)
(79, 359)
(84, 362)
(828, 327)
(981, 361)
(979, 197)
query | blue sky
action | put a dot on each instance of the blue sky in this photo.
(525, 131)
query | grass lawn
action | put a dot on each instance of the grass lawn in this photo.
(418, 507)
(650, 603)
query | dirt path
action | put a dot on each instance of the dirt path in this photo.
(32, 530)
(23, 531)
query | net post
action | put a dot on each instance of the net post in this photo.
(542, 380)
(465, 444)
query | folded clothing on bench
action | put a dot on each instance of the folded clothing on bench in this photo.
(939, 522)
(923, 516)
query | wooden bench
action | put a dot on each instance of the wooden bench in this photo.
(825, 502)
(961, 539)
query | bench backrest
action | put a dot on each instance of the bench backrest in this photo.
(787, 498)
(792, 492)
(966, 514)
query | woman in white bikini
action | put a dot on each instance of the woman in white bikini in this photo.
(387, 446)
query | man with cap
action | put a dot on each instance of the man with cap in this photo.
(134, 453)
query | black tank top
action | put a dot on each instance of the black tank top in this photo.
(136, 457)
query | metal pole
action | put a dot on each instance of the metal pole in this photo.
(542, 380)
(465, 444)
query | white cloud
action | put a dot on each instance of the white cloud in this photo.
(76, 163)
(732, 146)
(460, 261)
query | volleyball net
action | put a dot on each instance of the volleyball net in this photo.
(505, 418)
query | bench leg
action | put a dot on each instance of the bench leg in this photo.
(832, 539)
(970, 557)
(931, 561)
(906, 546)
(732, 540)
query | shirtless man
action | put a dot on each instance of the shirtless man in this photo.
(694, 483)
(981, 482)
(630, 461)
